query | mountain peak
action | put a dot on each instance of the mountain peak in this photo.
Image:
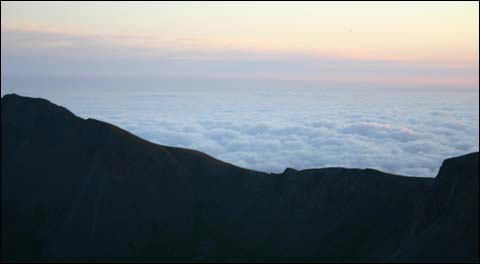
(16, 104)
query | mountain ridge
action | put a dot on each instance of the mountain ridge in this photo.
(127, 198)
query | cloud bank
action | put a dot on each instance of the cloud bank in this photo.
(268, 125)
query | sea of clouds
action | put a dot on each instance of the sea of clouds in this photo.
(271, 125)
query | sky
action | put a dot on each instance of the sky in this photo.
(413, 43)
(263, 85)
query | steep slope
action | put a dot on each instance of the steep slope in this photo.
(75, 189)
(453, 213)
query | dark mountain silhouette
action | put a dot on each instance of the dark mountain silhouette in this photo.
(75, 189)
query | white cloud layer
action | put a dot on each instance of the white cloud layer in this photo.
(269, 125)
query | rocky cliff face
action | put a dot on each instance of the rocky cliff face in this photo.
(75, 189)
(450, 214)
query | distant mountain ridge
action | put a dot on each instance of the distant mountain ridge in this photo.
(75, 189)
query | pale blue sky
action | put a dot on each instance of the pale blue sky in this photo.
(412, 43)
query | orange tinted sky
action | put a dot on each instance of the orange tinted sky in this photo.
(441, 34)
